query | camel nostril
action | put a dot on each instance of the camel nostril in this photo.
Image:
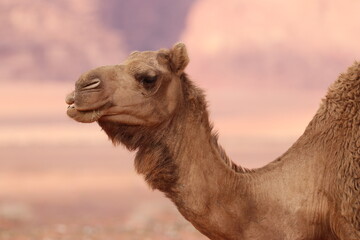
(92, 84)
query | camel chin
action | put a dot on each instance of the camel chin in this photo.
(125, 119)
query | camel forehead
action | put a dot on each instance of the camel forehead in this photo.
(96, 73)
(141, 62)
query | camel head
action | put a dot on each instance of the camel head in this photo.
(142, 91)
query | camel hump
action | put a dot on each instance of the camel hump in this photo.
(347, 87)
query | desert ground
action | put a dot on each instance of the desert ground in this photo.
(81, 192)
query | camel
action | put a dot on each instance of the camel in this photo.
(312, 192)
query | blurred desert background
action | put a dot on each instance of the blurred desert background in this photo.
(264, 64)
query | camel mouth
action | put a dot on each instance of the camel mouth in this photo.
(85, 115)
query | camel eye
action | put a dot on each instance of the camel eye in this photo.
(149, 79)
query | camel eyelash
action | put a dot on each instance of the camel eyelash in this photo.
(147, 79)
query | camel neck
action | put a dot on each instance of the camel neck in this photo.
(192, 170)
(181, 157)
(184, 144)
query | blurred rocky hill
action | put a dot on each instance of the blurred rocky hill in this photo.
(57, 40)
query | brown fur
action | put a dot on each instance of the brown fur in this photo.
(311, 192)
(342, 108)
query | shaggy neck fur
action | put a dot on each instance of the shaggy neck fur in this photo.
(339, 121)
(158, 146)
(181, 157)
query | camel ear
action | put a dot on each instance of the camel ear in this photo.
(178, 58)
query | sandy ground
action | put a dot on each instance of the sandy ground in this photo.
(89, 191)
(81, 192)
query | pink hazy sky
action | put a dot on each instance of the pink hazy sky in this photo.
(273, 44)
(264, 64)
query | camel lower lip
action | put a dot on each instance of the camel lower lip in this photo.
(72, 106)
(87, 116)
(83, 110)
